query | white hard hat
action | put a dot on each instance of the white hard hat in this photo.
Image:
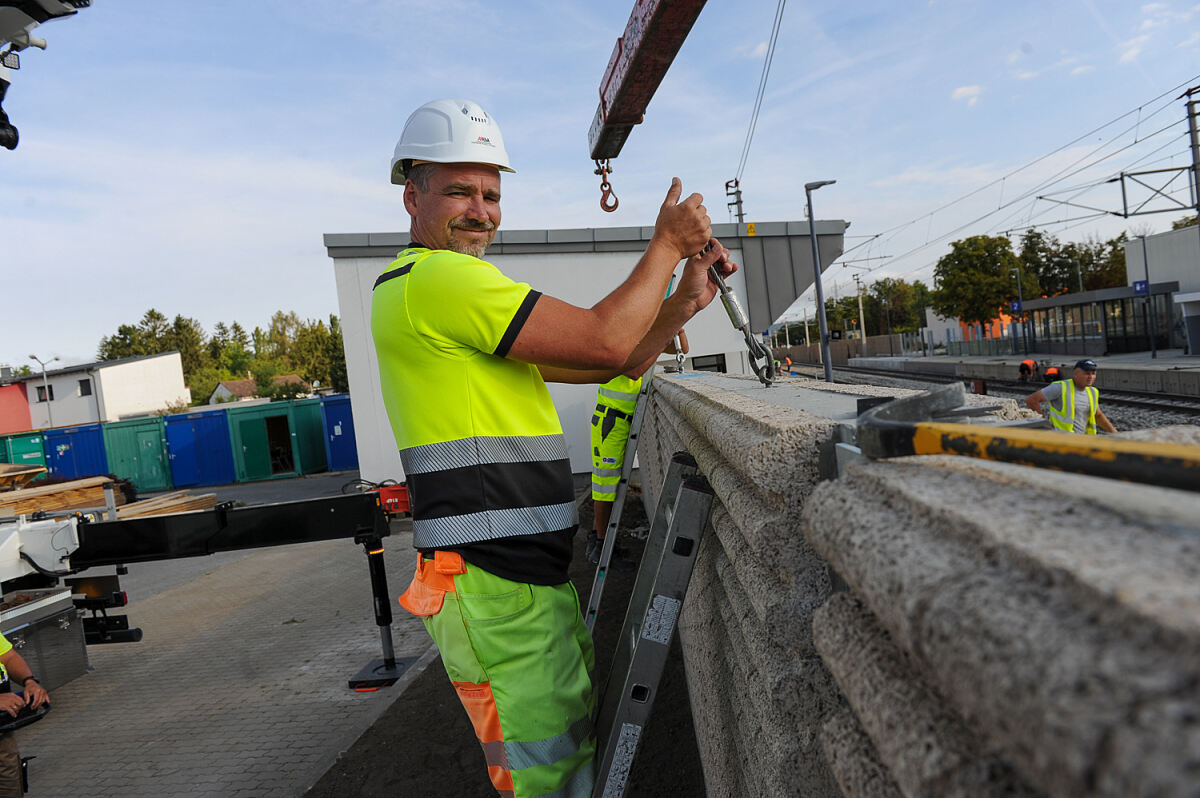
(450, 131)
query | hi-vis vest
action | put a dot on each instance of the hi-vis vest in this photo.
(620, 393)
(1063, 417)
(481, 444)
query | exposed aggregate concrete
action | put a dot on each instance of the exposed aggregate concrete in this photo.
(1011, 630)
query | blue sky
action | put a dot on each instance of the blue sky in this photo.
(189, 156)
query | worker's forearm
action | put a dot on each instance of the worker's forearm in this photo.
(671, 316)
(18, 669)
(627, 315)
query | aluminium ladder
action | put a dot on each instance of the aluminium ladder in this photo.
(645, 639)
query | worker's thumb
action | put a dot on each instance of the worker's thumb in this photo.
(673, 193)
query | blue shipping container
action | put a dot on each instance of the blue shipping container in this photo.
(75, 452)
(198, 448)
(340, 448)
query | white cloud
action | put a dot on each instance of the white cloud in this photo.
(1132, 48)
(1082, 70)
(1191, 40)
(757, 51)
(1026, 75)
(968, 93)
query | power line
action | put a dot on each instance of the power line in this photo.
(762, 88)
(892, 231)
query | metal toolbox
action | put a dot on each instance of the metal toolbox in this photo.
(47, 631)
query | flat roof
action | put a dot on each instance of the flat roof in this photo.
(99, 364)
(581, 239)
(1099, 295)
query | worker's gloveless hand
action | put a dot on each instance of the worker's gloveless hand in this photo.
(35, 694)
(683, 226)
(11, 703)
(696, 287)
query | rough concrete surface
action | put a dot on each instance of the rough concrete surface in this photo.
(853, 759)
(1010, 631)
(927, 749)
(1085, 627)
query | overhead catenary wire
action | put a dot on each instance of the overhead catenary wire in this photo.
(1067, 172)
(762, 88)
(1143, 114)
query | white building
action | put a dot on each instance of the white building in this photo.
(106, 391)
(579, 266)
(1173, 256)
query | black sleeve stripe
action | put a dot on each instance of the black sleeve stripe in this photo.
(518, 321)
(383, 278)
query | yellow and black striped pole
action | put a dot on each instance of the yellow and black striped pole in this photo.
(894, 430)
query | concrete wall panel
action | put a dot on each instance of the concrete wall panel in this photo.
(979, 650)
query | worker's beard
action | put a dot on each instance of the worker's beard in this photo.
(471, 245)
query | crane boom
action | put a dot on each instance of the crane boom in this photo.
(639, 62)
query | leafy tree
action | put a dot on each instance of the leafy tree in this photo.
(216, 344)
(188, 337)
(22, 371)
(1187, 221)
(336, 355)
(974, 282)
(310, 352)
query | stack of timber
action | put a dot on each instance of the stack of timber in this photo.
(168, 503)
(14, 476)
(79, 494)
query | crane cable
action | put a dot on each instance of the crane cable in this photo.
(762, 88)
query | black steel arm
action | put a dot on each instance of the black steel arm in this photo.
(195, 534)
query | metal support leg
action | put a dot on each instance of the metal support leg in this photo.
(383, 672)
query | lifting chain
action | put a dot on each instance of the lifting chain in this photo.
(608, 200)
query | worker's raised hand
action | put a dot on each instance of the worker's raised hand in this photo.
(685, 225)
(696, 287)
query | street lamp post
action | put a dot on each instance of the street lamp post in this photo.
(46, 385)
(1150, 303)
(822, 326)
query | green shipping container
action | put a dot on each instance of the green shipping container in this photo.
(309, 430)
(137, 451)
(272, 441)
(23, 448)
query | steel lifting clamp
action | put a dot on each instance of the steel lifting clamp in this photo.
(760, 359)
(608, 200)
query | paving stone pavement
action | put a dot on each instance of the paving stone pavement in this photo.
(238, 689)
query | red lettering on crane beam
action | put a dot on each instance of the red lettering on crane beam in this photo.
(655, 32)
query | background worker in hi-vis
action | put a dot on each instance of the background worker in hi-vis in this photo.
(615, 402)
(464, 354)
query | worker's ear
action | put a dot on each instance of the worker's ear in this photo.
(411, 194)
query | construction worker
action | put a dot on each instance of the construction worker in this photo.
(15, 670)
(615, 402)
(1027, 370)
(787, 362)
(1074, 405)
(464, 354)
(1050, 374)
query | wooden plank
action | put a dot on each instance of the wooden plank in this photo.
(73, 495)
(169, 504)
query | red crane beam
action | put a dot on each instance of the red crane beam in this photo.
(639, 62)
